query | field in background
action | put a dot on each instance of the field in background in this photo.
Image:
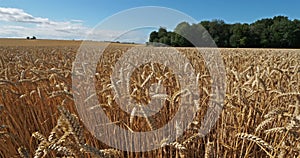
(260, 118)
(27, 42)
(46, 42)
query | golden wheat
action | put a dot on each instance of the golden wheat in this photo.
(262, 100)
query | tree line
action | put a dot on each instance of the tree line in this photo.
(276, 32)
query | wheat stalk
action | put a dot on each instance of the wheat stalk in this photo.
(208, 149)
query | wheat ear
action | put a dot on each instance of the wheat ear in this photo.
(75, 126)
(23, 152)
(255, 139)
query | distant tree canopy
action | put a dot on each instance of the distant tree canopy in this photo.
(277, 32)
(33, 38)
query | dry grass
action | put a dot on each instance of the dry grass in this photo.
(260, 116)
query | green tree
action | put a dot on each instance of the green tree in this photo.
(165, 40)
(162, 32)
(295, 39)
(240, 35)
(279, 32)
(185, 31)
(153, 37)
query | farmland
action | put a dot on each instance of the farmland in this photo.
(38, 116)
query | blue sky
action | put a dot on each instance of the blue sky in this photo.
(73, 19)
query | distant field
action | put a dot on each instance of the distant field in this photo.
(44, 42)
(260, 117)
(25, 42)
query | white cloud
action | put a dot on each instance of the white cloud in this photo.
(16, 22)
(18, 15)
(137, 35)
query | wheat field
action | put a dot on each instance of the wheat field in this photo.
(38, 117)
